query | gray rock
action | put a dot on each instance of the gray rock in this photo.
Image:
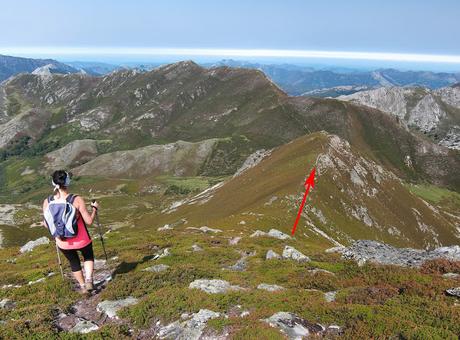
(110, 308)
(364, 250)
(258, 233)
(191, 329)
(7, 304)
(252, 160)
(454, 292)
(196, 248)
(294, 327)
(278, 234)
(319, 270)
(239, 266)
(213, 286)
(451, 276)
(330, 296)
(84, 327)
(29, 246)
(293, 254)
(234, 241)
(206, 229)
(156, 268)
(272, 233)
(165, 227)
(163, 253)
(272, 255)
(270, 288)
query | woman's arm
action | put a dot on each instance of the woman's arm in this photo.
(81, 206)
(45, 205)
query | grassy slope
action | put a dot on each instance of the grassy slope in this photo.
(373, 301)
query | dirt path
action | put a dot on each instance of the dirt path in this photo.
(83, 316)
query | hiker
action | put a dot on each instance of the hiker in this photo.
(66, 218)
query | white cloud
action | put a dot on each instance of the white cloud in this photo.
(307, 54)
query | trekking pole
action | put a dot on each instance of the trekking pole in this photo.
(100, 232)
(59, 261)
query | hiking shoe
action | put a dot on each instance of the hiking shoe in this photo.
(89, 286)
(83, 290)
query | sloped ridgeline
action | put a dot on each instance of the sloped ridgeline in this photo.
(183, 101)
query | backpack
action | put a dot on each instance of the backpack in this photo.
(61, 217)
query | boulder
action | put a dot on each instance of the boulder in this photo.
(190, 329)
(270, 288)
(213, 286)
(84, 327)
(234, 241)
(29, 246)
(454, 292)
(156, 268)
(330, 296)
(278, 234)
(110, 308)
(7, 304)
(294, 254)
(196, 247)
(272, 255)
(296, 328)
(272, 233)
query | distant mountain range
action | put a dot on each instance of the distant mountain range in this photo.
(297, 80)
(10, 66)
(293, 79)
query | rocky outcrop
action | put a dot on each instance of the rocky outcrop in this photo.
(156, 268)
(453, 292)
(73, 154)
(372, 251)
(296, 328)
(213, 286)
(429, 111)
(178, 159)
(293, 254)
(272, 233)
(28, 124)
(29, 246)
(270, 288)
(272, 255)
(252, 161)
(110, 308)
(192, 328)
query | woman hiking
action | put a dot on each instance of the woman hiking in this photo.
(66, 218)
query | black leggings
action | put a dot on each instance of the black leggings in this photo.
(74, 260)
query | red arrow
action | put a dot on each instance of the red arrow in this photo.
(309, 183)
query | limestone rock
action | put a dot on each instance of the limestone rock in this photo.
(365, 250)
(270, 288)
(293, 254)
(156, 268)
(84, 327)
(213, 286)
(454, 292)
(296, 328)
(29, 246)
(191, 329)
(110, 308)
(272, 255)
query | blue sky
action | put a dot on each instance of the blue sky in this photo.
(404, 26)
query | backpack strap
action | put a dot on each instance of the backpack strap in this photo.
(71, 198)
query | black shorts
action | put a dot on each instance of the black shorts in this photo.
(74, 260)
